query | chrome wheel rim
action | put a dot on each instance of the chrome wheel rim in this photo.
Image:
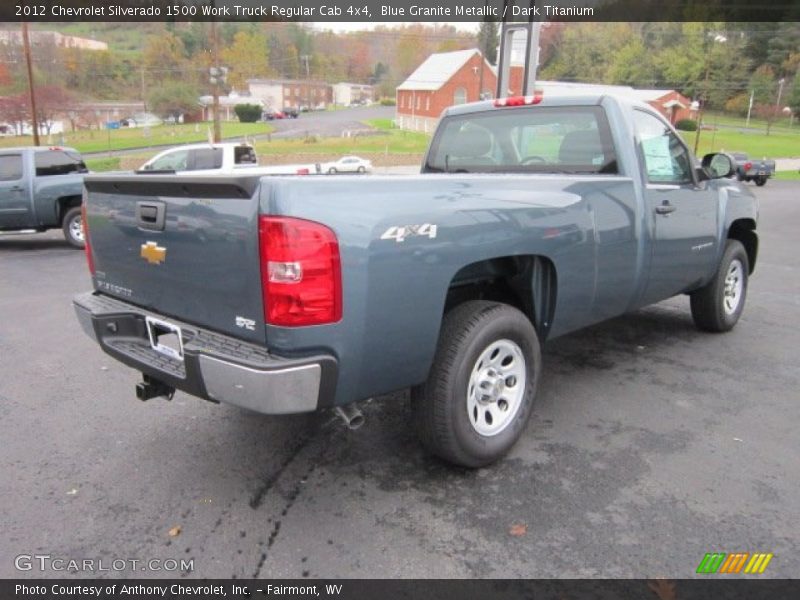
(76, 229)
(734, 287)
(496, 387)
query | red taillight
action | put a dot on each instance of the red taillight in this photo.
(748, 166)
(301, 277)
(86, 245)
(519, 100)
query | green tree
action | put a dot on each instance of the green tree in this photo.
(763, 85)
(173, 99)
(487, 41)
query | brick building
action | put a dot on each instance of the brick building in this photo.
(291, 93)
(443, 80)
(451, 78)
(670, 103)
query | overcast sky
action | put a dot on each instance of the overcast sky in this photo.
(355, 26)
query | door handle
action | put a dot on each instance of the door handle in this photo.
(665, 208)
(17, 188)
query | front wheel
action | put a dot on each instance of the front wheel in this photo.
(72, 225)
(480, 391)
(718, 306)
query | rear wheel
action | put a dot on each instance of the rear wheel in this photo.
(72, 225)
(480, 391)
(760, 180)
(362, 170)
(718, 306)
(332, 171)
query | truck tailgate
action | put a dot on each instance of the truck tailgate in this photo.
(182, 246)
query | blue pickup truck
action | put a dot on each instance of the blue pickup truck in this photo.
(41, 189)
(532, 217)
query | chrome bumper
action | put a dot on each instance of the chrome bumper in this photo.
(252, 379)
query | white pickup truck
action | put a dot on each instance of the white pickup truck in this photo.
(219, 159)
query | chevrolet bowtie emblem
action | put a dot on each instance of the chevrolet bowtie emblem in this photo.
(153, 253)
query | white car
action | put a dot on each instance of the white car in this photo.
(348, 164)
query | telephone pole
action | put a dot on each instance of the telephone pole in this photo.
(26, 44)
(215, 79)
(305, 58)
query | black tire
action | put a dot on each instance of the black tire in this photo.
(439, 405)
(760, 180)
(709, 309)
(362, 170)
(70, 225)
(332, 171)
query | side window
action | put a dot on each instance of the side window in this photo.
(244, 155)
(174, 161)
(666, 159)
(10, 167)
(206, 158)
(58, 162)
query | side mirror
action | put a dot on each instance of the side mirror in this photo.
(719, 165)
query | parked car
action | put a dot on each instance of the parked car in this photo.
(218, 159)
(347, 164)
(757, 171)
(290, 113)
(271, 114)
(329, 291)
(41, 189)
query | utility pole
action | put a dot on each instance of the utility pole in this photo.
(26, 44)
(750, 107)
(215, 78)
(777, 105)
(144, 96)
(703, 100)
(305, 58)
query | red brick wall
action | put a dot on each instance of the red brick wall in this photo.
(678, 113)
(432, 103)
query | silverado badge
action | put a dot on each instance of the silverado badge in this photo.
(153, 253)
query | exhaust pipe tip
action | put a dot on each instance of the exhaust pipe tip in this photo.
(351, 415)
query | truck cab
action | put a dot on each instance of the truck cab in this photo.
(41, 189)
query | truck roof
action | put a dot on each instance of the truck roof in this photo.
(16, 149)
(587, 98)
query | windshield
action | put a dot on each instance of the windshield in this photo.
(525, 140)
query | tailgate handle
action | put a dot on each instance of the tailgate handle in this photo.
(151, 215)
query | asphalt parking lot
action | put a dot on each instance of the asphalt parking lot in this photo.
(651, 444)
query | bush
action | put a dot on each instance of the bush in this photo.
(686, 125)
(388, 102)
(248, 113)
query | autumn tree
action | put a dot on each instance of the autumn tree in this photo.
(164, 57)
(247, 57)
(15, 110)
(52, 101)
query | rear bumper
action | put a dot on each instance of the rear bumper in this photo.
(216, 367)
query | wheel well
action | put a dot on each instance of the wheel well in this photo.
(743, 230)
(65, 203)
(525, 282)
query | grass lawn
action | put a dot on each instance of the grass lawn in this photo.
(788, 175)
(395, 141)
(123, 139)
(778, 144)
